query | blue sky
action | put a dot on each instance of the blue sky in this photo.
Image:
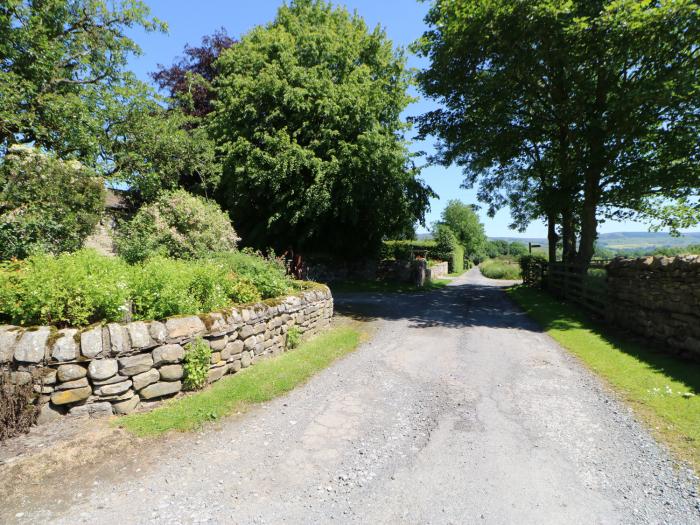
(188, 21)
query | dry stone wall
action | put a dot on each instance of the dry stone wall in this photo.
(658, 298)
(111, 369)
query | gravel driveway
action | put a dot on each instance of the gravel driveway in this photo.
(459, 410)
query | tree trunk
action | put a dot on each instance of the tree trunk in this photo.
(589, 221)
(568, 235)
(552, 237)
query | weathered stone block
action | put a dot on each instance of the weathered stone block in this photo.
(245, 332)
(76, 383)
(168, 354)
(139, 334)
(94, 410)
(66, 397)
(70, 372)
(8, 338)
(218, 343)
(184, 327)
(65, 347)
(31, 347)
(136, 364)
(250, 342)
(216, 373)
(114, 389)
(158, 332)
(163, 388)
(101, 369)
(126, 407)
(91, 342)
(119, 339)
(171, 372)
(145, 379)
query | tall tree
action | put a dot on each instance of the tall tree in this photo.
(572, 111)
(63, 80)
(308, 119)
(188, 80)
(464, 222)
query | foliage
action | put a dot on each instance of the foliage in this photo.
(178, 224)
(70, 289)
(84, 287)
(293, 337)
(652, 382)
(164, 287)
(189, 80)
(401, 250)
(268, 275)
(62, 78)
(154, 149)
(567, 111)
(464, 222)
(501, 268)
(308, 120)
(531, 267)
(448, 248)
(46, 205)
(18, 408)
(196, 364)
(264, 381)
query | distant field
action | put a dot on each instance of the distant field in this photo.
(628, 240)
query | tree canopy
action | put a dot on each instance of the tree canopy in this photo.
(571, 111)
(308, 120)
(464, 222)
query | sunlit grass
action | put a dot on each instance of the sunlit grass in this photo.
(662, 389)
(501, 268)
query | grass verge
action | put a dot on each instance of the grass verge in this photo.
(660, 388)
(386, 286)
(501, 268)
(262, 382)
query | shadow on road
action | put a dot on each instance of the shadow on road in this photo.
(453, 307)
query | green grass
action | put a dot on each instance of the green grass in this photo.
(257, 384)
(501, 268)
(653, 383)
(385, 286)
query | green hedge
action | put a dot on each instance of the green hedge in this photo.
(457, 259)
(401, 251)
(84, 287)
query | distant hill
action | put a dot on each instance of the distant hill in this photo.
(627, 240)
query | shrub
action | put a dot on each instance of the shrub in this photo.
(178, 224)
(162, 287)
(267, 275)
(531, 267)
(18, 408)
(402, 250)
(293, 337)
(46, 205)
(70, 289)
(196, 364)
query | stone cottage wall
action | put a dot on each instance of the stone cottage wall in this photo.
(109, 369)
(658, 298)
